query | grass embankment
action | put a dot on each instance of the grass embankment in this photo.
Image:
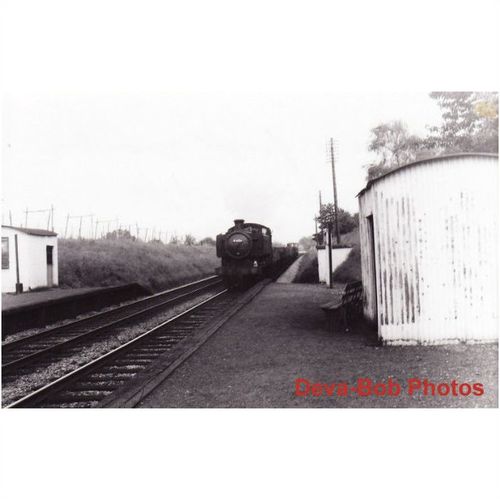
(350, 270)
(308, 268)
(84, 263)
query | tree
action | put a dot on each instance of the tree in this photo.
(306, 242)
(174, 240)
(347, 222)
(120, 234)
(394, 146)
(470, 122)
(189, 240)
(208, 241)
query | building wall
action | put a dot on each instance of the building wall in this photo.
(32, 260)
(339, 255)
(430, 271)
(9, 275)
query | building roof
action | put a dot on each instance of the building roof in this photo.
(32, 231)
(427, 160)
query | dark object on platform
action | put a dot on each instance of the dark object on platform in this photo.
(38, 315)
(248, 254)
(349, 306)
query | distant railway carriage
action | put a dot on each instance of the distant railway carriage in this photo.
(247, 253)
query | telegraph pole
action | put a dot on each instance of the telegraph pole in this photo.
(50, 212)
(337, 234)
(81, 217)
(330, 264)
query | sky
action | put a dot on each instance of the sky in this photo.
(169, 116)
(192, 162)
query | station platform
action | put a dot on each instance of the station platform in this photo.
(11, 300)
(289, 275)
(254, 359)
(39, 309)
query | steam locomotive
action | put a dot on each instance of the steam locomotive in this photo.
(247, 254)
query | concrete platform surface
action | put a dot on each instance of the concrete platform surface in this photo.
(289, 275)
(256, 357)
(11, 300)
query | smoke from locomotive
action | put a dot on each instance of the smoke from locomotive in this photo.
(247, 254)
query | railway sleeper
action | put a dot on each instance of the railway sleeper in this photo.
(175, 335)
(152, 353)
(136, 357)
(96, 385)
(139, 357)
(154, 349)
(163, 345)
(192, 323)
(129, 366)
(141, 363)
(121, 368)
(7, 358)
(30, 348)
(14, 356)
(68, 405)
(118, 376)
(77, 396)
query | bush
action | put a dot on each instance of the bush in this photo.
(351, 239)
(89, 263)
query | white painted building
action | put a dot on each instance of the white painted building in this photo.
(339, 255)
(34, 263)
(429, 250)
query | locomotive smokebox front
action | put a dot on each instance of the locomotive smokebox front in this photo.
(238, 245)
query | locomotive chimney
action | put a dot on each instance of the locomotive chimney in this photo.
(239, 222)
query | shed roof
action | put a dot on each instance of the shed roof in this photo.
(32, 231)
(427, 160)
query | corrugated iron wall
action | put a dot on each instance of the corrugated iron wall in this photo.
(432, 276)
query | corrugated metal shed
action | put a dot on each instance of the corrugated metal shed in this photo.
(429, 250)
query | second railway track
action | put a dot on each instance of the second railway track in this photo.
(93, 383)
(23, 356)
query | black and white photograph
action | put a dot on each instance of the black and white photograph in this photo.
(228, 213)
(261, 263)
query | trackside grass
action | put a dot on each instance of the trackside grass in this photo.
(308, 268)
(156, 266)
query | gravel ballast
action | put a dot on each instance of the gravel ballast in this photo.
(42, 376)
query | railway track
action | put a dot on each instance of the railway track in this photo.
(93, 383)
(25, 355)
